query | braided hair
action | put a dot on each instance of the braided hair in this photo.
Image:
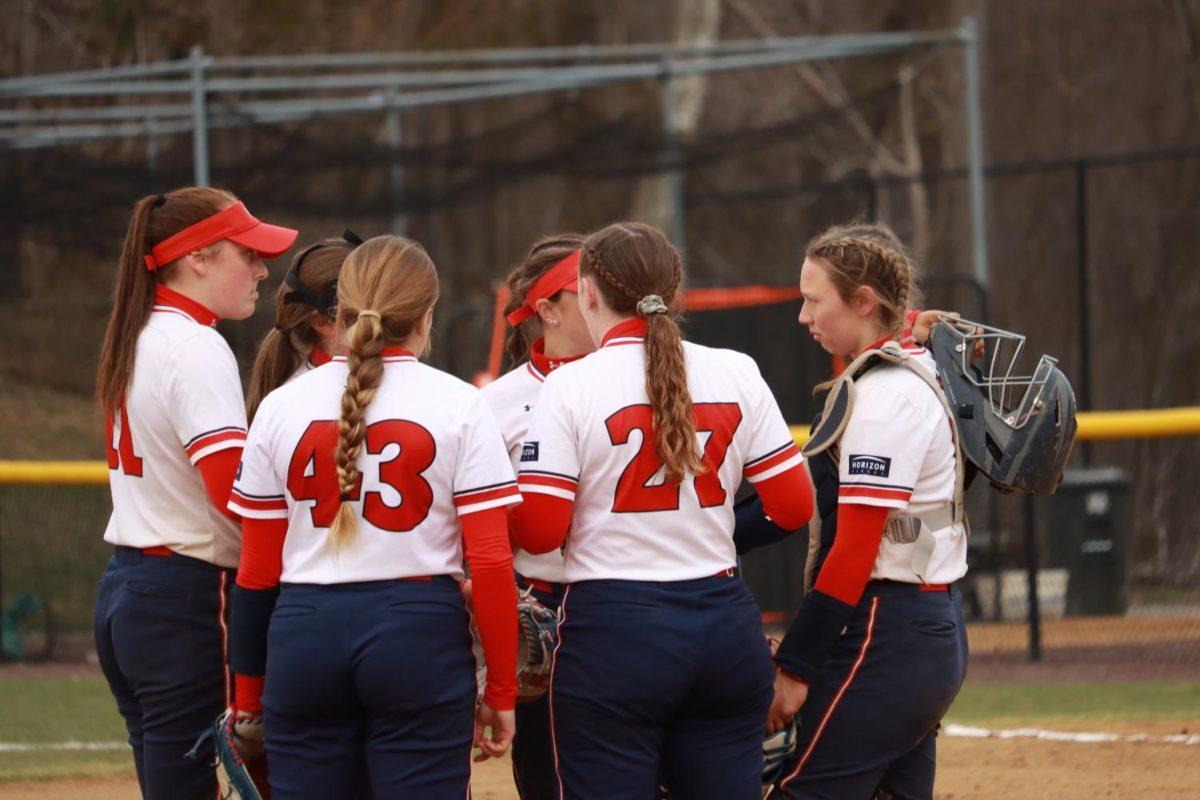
(386, 287)
(866, 254)
(641, 273)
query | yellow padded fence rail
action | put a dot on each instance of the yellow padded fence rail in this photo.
(1093, 426)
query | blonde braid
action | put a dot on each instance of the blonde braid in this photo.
(366, 371)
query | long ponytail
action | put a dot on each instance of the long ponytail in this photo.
(365, 345)
(154, 218)
(386, 287)
(640, 273)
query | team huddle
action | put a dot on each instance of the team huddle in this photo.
(317, 577)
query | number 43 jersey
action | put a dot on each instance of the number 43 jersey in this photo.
(591, 441)
(431, 455)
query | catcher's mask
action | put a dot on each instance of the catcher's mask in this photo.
(1017, 429)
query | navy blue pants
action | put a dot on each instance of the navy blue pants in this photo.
(533, 749)
(373, 679)
(160, 627)
(660, 681)
(871, 720)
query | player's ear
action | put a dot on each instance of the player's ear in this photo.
(195, 262)
(864, 301)
(589, 296)
(544, 308)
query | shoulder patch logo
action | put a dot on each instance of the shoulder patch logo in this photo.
(529, 451)
(876, 466)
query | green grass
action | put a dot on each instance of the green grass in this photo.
(56, 710)
(1024, 704)
(81, 709)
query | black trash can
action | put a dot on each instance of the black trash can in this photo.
(1085, 529)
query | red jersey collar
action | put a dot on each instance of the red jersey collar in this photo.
(387, 354)
(906, 344)
(627, 332)
(166, 298)
(544, 364)
(318, 357)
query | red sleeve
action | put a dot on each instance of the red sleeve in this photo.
(855, 548)
(262, 553)
(787, 498)
(218, 471)
(248, 693)
(540, 523)
(494, 593)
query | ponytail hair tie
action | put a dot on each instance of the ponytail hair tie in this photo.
(159, 200)
(370, 313)
(651, 304)
(346, 498)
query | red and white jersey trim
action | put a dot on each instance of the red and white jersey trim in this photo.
(550, 483)
(209, 442)
(779, 460)
(258, 506)
(470, 501)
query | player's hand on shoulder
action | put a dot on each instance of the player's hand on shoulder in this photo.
(790, 694)
(503, 726)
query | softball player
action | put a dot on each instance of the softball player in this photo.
(169, 386)
(360, 483)
(305, 306)
(544, 297)
(878, 650)
(637, 449)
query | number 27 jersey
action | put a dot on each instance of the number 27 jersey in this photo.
(591, 441)
(431, 455)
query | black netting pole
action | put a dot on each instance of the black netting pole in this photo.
(1031, 566)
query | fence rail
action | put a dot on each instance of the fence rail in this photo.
(1093, 426)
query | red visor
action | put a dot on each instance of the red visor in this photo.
(563, 276)
(235, 224)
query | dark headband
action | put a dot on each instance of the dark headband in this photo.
(325, 300)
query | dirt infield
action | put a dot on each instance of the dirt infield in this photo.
(980, 769)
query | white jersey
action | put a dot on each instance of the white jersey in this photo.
(898, 452)
(512, 398)
(432, 454)
(313, 360)
(184, 402)
(591, 442)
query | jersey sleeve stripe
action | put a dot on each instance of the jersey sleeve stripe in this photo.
(258, 503)
(214, 442)
(523, 472)
(532, 479)
(490, 486)
(483, 504)
(553, 491)
(875, 485)
(195, 439)
(237, 507)
(751, 462)
(507, 492)
(795, 462)
(757, 469)
(864, 492)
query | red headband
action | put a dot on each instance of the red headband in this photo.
(563, 276)
(235, 224)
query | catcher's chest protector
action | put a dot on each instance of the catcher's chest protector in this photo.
(821, 457)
